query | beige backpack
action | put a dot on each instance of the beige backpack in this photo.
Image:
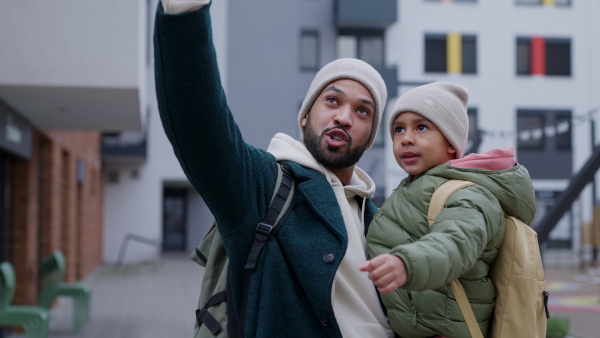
(517, 273)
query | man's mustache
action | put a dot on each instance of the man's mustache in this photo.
(337, 127)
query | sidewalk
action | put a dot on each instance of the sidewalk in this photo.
(158, 301)
(576, 296)
(146, 300)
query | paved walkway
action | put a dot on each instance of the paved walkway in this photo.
(158, 301)
(153, 300)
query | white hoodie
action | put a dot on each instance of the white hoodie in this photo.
(355, 303)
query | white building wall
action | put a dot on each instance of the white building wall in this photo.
(55, 42)
(134, 205)
(496, 91)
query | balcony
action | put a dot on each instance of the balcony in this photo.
(376, 14)
(126, 147)
(75, 64)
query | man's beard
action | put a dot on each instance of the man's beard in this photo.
(331, 157)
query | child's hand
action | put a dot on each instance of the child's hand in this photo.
(387, 272)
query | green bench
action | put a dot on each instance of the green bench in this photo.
(52, 270)
(33, 319)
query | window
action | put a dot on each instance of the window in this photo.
(563, 130)
(367, 45)
(545, 2)
(530, 128)
(543, 56)
(452, 53)
(309, 50)
(435, 53)
(474, 137)
(544, 142)
(523, 56)
(538, 129)
(472, 115)
(558, 57)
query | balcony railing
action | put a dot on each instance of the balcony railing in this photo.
(365, 14)
(125, 146)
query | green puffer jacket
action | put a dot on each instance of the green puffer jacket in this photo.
(462, 242)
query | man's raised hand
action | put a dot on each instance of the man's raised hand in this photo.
(182, 6)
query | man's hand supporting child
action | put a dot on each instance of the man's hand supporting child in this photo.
(387, 272)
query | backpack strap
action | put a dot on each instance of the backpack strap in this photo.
(438, 200)
(277, 213)
(204, 317)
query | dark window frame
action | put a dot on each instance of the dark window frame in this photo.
(526, 69)
(531, 113)
(467, 39)
(554, 66)
(551, 60)
(360, 35)
(436, 55)
(564, 142)
(304, 67)
(558, 3)
(435, 52)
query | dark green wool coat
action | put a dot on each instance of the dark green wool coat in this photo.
(290, 294)
(462, 243)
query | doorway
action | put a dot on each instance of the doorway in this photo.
(174, 219)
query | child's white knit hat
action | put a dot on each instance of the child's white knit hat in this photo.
(442, 103)
(354, 69)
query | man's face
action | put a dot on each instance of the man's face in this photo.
(338, 125)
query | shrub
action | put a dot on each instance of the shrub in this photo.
(558, 327)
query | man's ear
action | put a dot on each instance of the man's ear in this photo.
(303, 122)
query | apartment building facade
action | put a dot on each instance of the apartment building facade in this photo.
(68, 71)
(532, 71)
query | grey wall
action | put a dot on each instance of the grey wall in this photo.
(265, 83)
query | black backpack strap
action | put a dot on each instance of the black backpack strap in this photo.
(204, 317)
(269, 226)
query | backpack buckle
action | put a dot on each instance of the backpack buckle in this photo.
(262, 231)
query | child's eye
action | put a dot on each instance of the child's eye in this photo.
(422, 127)
(399, 130)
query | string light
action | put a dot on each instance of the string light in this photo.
(551, 130)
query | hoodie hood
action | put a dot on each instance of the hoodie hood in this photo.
(497, 171)
(285, 148)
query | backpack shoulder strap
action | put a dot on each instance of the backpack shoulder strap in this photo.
(438, 200)
(441, 195)
(279, 209)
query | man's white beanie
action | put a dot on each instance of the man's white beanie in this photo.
(442, 103)
(348, 68)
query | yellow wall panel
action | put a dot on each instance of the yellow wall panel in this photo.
(454, 53)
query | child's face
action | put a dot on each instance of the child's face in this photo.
(418, 144)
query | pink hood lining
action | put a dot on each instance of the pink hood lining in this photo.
(495, 159)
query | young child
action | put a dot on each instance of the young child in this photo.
(412, 264)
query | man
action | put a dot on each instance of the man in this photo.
(307, 282)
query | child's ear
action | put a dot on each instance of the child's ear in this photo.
(451, 150)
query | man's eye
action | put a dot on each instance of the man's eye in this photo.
(331, 99)
(364, 111)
